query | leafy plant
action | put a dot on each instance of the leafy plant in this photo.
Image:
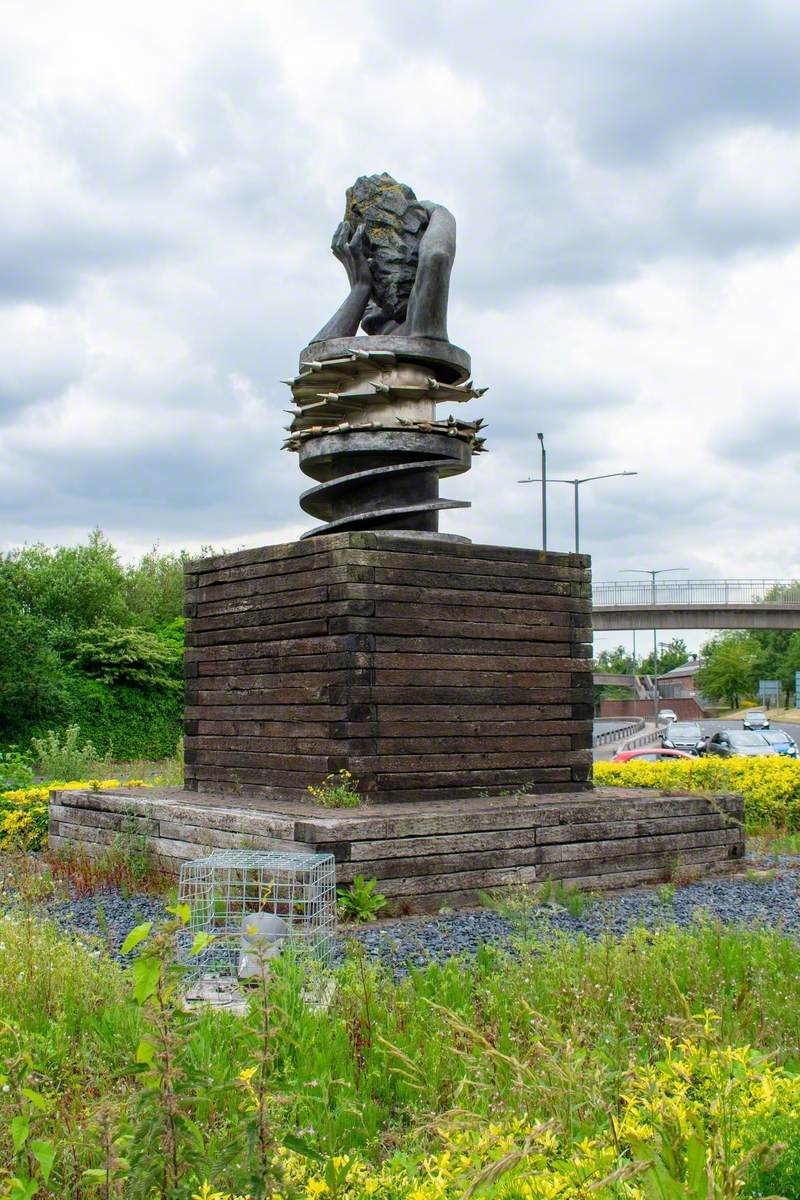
(33, 1157)
(121, 866)
(360, 902)
(754, 876)
(167, 1145)
(15, 768)
(61, 756)
(339, 790)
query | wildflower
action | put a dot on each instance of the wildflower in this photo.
(316, 1187)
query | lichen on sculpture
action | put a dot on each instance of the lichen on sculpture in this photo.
(365, 425)
(398, 254)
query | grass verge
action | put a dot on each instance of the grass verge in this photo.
(562, 1063)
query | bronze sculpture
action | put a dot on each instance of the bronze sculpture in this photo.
(365, 424)
(398, 254)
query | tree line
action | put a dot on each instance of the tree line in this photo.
(732, 664)
(88, 640)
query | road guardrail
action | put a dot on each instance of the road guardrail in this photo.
(619, 733)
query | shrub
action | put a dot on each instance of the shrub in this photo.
(63, 757)
(24, 812)
(770, 786)
(126, 722)
(15, 768)
(118, 654)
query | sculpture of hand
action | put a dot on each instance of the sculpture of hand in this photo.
(349, 249)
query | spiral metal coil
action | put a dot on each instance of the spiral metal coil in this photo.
(365, 428)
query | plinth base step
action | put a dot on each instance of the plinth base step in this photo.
(445, 855)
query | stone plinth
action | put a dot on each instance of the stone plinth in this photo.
(431, 669)
(443, 854)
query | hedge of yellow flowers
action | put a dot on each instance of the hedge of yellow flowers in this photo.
(23, 812)
(770, 786)
(704, 1106)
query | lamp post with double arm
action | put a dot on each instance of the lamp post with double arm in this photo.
(575, 484)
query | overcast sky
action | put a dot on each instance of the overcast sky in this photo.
(625, 177)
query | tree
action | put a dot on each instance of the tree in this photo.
(69, 587)
(614, 662)
(729, 672)
(32, 679)
(788, 664)
(675, 655)
(154, 587)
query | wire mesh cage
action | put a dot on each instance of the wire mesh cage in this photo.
(232, 893)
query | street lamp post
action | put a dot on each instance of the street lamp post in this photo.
(575, 484)
(540, 436)
(652, 574)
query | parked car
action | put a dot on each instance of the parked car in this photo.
(647, 754)
(755, 719)
(667, 714)
(682, 735)
(781, 742)
(729, 742)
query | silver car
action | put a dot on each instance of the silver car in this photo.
(728, 743)
(755, 719)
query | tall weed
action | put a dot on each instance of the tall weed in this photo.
(60, 756)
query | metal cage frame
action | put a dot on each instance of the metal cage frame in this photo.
(222, 888)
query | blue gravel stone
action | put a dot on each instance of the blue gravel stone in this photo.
(414, 942)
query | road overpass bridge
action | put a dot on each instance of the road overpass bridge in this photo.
(697, 604)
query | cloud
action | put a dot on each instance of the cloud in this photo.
(624, 179)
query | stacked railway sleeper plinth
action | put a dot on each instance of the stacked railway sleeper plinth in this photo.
(429, 669)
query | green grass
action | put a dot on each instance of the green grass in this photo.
(163, 772)
(389, 1057)
(774, 842)
(517, 903)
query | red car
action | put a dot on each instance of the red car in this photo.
(648, 754)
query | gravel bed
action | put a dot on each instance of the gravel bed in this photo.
(769, 903)
(772, 900)
(107, 917)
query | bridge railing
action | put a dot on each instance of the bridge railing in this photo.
(679, 593)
